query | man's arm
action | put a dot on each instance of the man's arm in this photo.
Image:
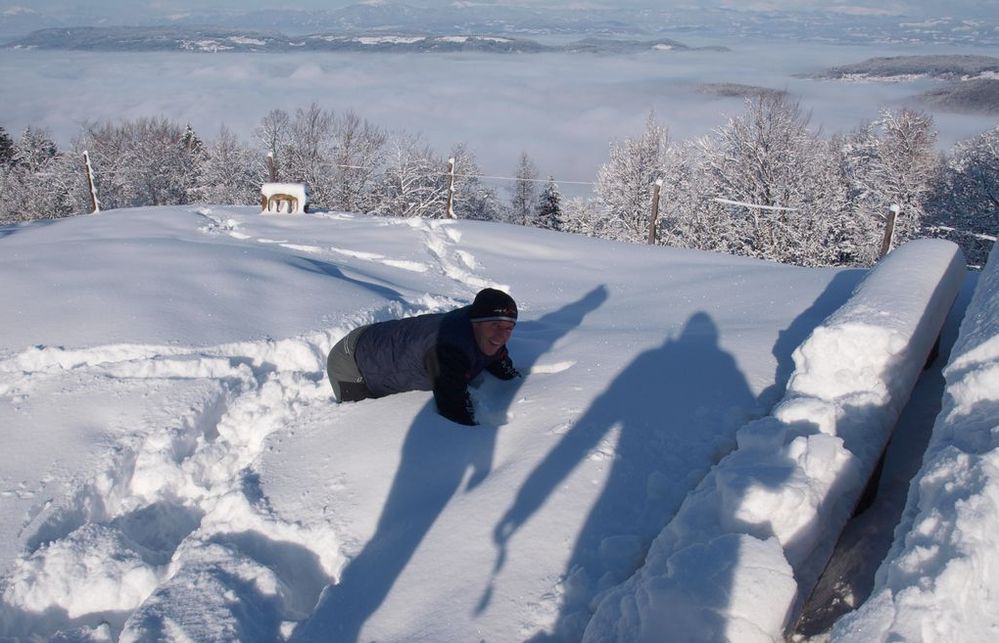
(451, 385)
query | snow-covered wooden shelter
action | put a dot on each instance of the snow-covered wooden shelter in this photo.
(284, 198)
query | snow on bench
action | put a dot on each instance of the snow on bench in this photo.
(284, 198)
(938, 581)
(748, 544)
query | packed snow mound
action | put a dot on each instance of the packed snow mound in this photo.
(938, 582)
(796, 475)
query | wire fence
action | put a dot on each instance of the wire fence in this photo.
(480, 176)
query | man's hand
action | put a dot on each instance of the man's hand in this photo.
(504, 369)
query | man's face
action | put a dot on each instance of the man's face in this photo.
(490, 336)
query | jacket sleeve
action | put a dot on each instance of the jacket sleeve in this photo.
(451, 385)
(503, 367)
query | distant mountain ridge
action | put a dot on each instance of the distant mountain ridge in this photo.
(973, 85)
(231, 40)
(978, 96)
(511, 20)
(948, 67)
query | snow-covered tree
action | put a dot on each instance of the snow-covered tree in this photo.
(413, 183)
(34, 150)
(688, 215)
(359, 152)
(473, 199)
(228, 172)
(109, 147)
(148, 161)
(965, 205)
(39, 182)
(524, 193)
(549, 208)
(274, 136)
(308, 157)
(779, 175)
(625, 182)
(892, 161)
(6, 148)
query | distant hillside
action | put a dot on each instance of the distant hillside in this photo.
(616, 46)
(229, 40)
(975, 29)
(952, 67)
(736, 90)
(980, 95)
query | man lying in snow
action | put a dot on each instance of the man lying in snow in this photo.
(441, 352)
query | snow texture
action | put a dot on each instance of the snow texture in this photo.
(774, 507)
(174, 467)
(938, 581)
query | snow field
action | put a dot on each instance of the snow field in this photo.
(175, 446)
(937, 583)
(179, 482)
(170, 528)
(770, 512)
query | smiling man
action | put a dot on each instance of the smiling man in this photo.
(439, 352)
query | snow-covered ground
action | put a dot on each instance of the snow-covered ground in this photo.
(174, 467)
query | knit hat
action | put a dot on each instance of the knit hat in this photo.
(493, 305)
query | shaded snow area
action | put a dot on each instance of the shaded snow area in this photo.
(938, 581)
(749, 543)
(690, 433)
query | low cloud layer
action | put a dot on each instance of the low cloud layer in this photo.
(562, 109)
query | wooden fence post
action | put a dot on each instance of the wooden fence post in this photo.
(889, 238)
(95, 204)
(450, 189)
(655, 211)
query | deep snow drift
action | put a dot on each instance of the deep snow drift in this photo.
(174, 467)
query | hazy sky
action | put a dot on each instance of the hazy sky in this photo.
(911, 7)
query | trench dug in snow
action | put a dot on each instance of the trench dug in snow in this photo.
(848, 578)
(769, 514)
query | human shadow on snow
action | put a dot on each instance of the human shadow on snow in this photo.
(832, 297)
(332, 270)
(417, 498)
(660, 403)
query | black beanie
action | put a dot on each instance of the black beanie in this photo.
(493, 305)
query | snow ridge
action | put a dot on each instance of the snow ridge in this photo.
(767, 516)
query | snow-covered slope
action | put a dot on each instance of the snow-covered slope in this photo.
(174, 468)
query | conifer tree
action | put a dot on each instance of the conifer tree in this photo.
(549, 210)
(6, 148)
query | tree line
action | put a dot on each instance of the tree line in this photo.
(765, 184)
